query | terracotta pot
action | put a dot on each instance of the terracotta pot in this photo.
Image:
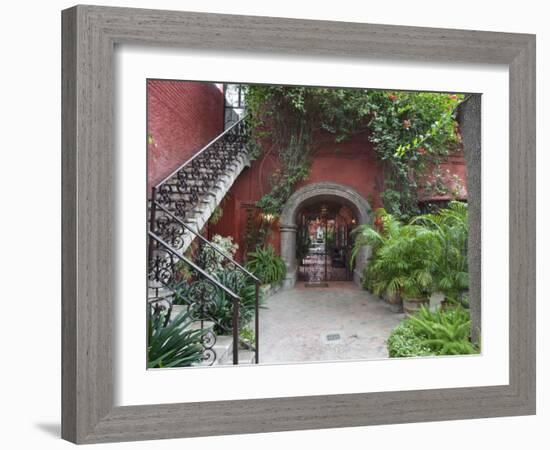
(412, 305)
(396, 304)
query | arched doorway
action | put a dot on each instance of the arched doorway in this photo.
(324, 242)
(309, 198)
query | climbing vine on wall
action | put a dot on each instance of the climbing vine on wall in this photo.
(283, 119)
(411, 131)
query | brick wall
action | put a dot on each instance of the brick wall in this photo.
(182, 117)
(351, 163)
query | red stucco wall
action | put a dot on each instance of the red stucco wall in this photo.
(185, 116)
(182, 117)
(352, 163)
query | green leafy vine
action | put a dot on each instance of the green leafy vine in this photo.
(411, 132)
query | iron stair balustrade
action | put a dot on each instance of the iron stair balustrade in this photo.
(178, 195)
(169, 228)
(164, 270)
(181, 191)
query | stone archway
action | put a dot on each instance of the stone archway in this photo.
(312, 193)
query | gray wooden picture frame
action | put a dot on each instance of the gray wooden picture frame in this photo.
(89, 37)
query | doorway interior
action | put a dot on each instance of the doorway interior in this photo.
(324, 242)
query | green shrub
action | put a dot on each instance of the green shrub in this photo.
(401, 261)
(248, 336)
(448, 231)
(214, 304)
(266, 265)
(173, 343)
(210, 260)
(443, 332)
(404, 342)
(426, 255)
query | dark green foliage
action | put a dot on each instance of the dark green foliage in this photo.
(247, 336)
(404, 342)
(411, 131)
(219, 305)
(173, 343)
(446, 331)
(266, 265)
(401, 257)
(443, 332)
(449, 243)
(415, 259)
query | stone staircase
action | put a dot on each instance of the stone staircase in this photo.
(179, 207)
(223, 347)
(197, 216)
(194, 191)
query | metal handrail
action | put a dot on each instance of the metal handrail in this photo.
(192, 264)
(257, 281)
(236, 298)
(207, 242)
(200, 152)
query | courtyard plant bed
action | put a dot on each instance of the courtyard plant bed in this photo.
(413, 304)
(319, 162)
(426, 333)
(206, 305)
(173, 343)
(266, 265)
(269, 268)
(411, 261)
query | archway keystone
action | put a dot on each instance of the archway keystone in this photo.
(313, 193)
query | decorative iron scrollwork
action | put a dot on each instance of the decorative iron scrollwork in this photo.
(182, 191)
(184, 270)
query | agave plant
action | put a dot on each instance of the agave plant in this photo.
(266, 265)
(173, 343)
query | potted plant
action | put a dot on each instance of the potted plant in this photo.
(449, 259)
(400, 268)
(267, 266)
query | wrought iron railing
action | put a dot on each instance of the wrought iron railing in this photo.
(170, 229)
(177, 273)
(181, 191)
(188, 271)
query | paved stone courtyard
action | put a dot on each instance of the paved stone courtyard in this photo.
(341, 322)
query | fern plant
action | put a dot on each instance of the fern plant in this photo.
(449, 240)
(401, 256)
(266, 265)
(173, 343)
(445, 331)
(414, 259)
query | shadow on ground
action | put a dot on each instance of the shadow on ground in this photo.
(53, 429)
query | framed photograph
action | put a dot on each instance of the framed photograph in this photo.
(278, 224)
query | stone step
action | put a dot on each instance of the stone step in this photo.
(199, 212)
(246, 357)
(224, 350)
(223, 346)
